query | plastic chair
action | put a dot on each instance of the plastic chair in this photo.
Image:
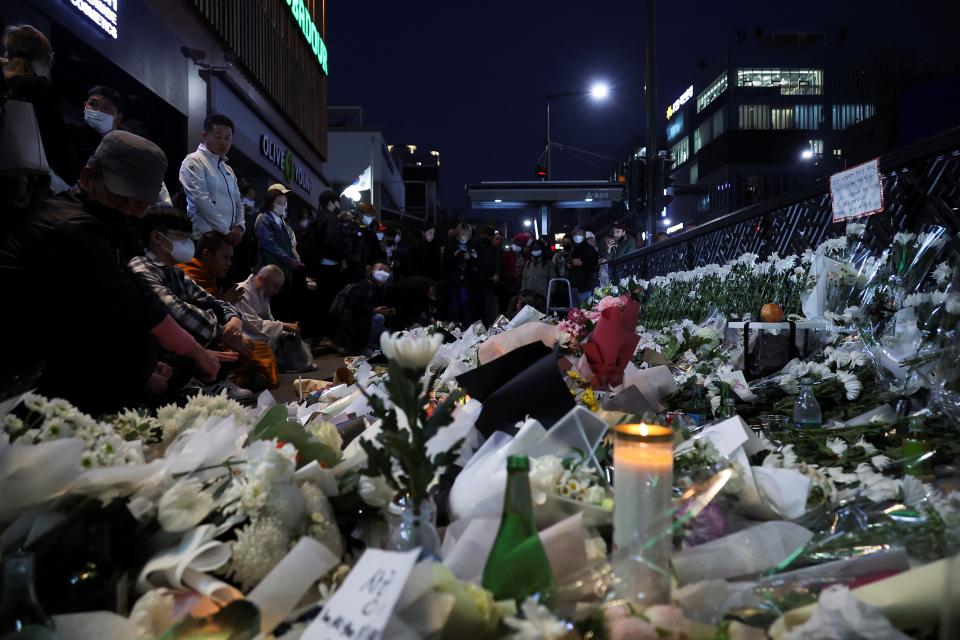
(561, 311)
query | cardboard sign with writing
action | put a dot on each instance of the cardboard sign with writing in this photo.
(857, 192)
(361, 608)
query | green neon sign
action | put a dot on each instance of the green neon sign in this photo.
(302, 15)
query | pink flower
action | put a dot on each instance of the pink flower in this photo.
(610, 301)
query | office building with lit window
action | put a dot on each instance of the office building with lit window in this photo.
(781, 111)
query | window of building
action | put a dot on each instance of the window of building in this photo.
(681, 151)
(754, 116)
(712, 92)
(702, 135)
(718, 127)
(838, 153)
(816, 146)
(808, 116)
(694, 173)
(847, 115)
(782, 117)
(792, 82)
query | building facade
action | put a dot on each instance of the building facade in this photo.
(420, 169)
(263, 63)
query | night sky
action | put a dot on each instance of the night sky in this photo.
(469, 79)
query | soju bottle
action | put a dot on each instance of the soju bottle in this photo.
(914, 447)
(517, 566)
(806, 409)
(727, 408)
(21, 616)
(697, 409)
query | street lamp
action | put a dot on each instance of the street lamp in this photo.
(598, 91)
(807, 154)
(527, 223)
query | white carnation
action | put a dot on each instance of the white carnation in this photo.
(545, 472)
(184, 506)
(272, 464)
(410, 352)
(326, 433)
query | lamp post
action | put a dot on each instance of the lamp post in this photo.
(598, 91)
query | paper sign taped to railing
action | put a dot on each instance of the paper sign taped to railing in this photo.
(857, 191)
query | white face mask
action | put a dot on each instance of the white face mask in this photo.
(463, 239)
(280, 209)
(100, 121)
(247, 202)
(381, 276)
(578, 239)
(366, 220)
(180, 250)
(396, 239)
(379, 235)
(536, 253)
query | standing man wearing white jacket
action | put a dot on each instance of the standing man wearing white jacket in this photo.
(210, 185)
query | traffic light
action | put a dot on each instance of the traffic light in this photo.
(541, 171)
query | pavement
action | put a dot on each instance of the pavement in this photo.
(326, 367)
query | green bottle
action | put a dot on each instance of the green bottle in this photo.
(21, 616)
(727, 408)
(914, 446)
(518, 566)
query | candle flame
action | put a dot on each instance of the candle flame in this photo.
(643, 430)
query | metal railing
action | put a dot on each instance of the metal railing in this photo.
(921, 185)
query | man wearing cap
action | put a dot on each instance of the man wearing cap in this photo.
(618, 243)
(213, 196)
(71, 303)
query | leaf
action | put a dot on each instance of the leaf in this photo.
(270, 420)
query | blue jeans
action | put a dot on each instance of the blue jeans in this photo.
(376, 328)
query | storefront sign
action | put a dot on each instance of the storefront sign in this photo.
(302, 15)
(679, 102)
(284, 160)
(102, 13)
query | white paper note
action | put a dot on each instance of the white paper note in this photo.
(362, 606)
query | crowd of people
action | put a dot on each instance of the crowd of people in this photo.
(122, 290)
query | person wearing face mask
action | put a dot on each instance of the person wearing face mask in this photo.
(538, 270)
(101, 115)
(618, 243)
(425, 259)
(562, 257)
(29, 58)
(365, 311)
(463, 273)
(369, 248)
(582, 267)
(210, 185)
(278, 246)
(96, 326)
(398, 251)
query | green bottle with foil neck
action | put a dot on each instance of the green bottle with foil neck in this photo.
(517, 567)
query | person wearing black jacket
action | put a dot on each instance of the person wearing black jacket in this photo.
(101, 115)
(582, 267)
(365, 311)
(425, 257)
(370, 247)
(27, 74)
(461, 267)
(324, 248)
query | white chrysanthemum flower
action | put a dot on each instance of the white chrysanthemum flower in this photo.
(880, 462)
(245, 497)
(952, 303)
(836, 445)
(942, 273)
(914, 491)
(545, 472)
(877, 487)
(903, 238)
(153, 613)
(538, 623)
(286, 504)
(375, 491)
(260, 546)
(408, 351)
(315, 500)
(12, 423)
(932, 239)
(855, 229)
(851, 384)
(838, 475)
(594, 494)
(184, 506)
(868, 448)
(326, 433)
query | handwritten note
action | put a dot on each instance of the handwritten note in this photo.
(857, 191)
(361, 608)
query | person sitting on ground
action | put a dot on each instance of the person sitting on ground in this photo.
(166, 236)
(63, 259)
(208, 268)
(364, 311)
(283, 337)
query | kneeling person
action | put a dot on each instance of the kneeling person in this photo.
(365, 311)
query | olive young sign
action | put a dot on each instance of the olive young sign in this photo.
(284, 160)
(305, 21)
(102, 13)
(679, 102)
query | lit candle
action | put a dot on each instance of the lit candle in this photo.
(642, 516)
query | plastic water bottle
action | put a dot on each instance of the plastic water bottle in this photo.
(806, 410)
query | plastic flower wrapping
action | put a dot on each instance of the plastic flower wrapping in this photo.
(254, 519)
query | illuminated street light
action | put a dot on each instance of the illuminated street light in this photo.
(527, 223)
(807, 154)
(599, 91)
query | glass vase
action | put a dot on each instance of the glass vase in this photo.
(412, 527)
